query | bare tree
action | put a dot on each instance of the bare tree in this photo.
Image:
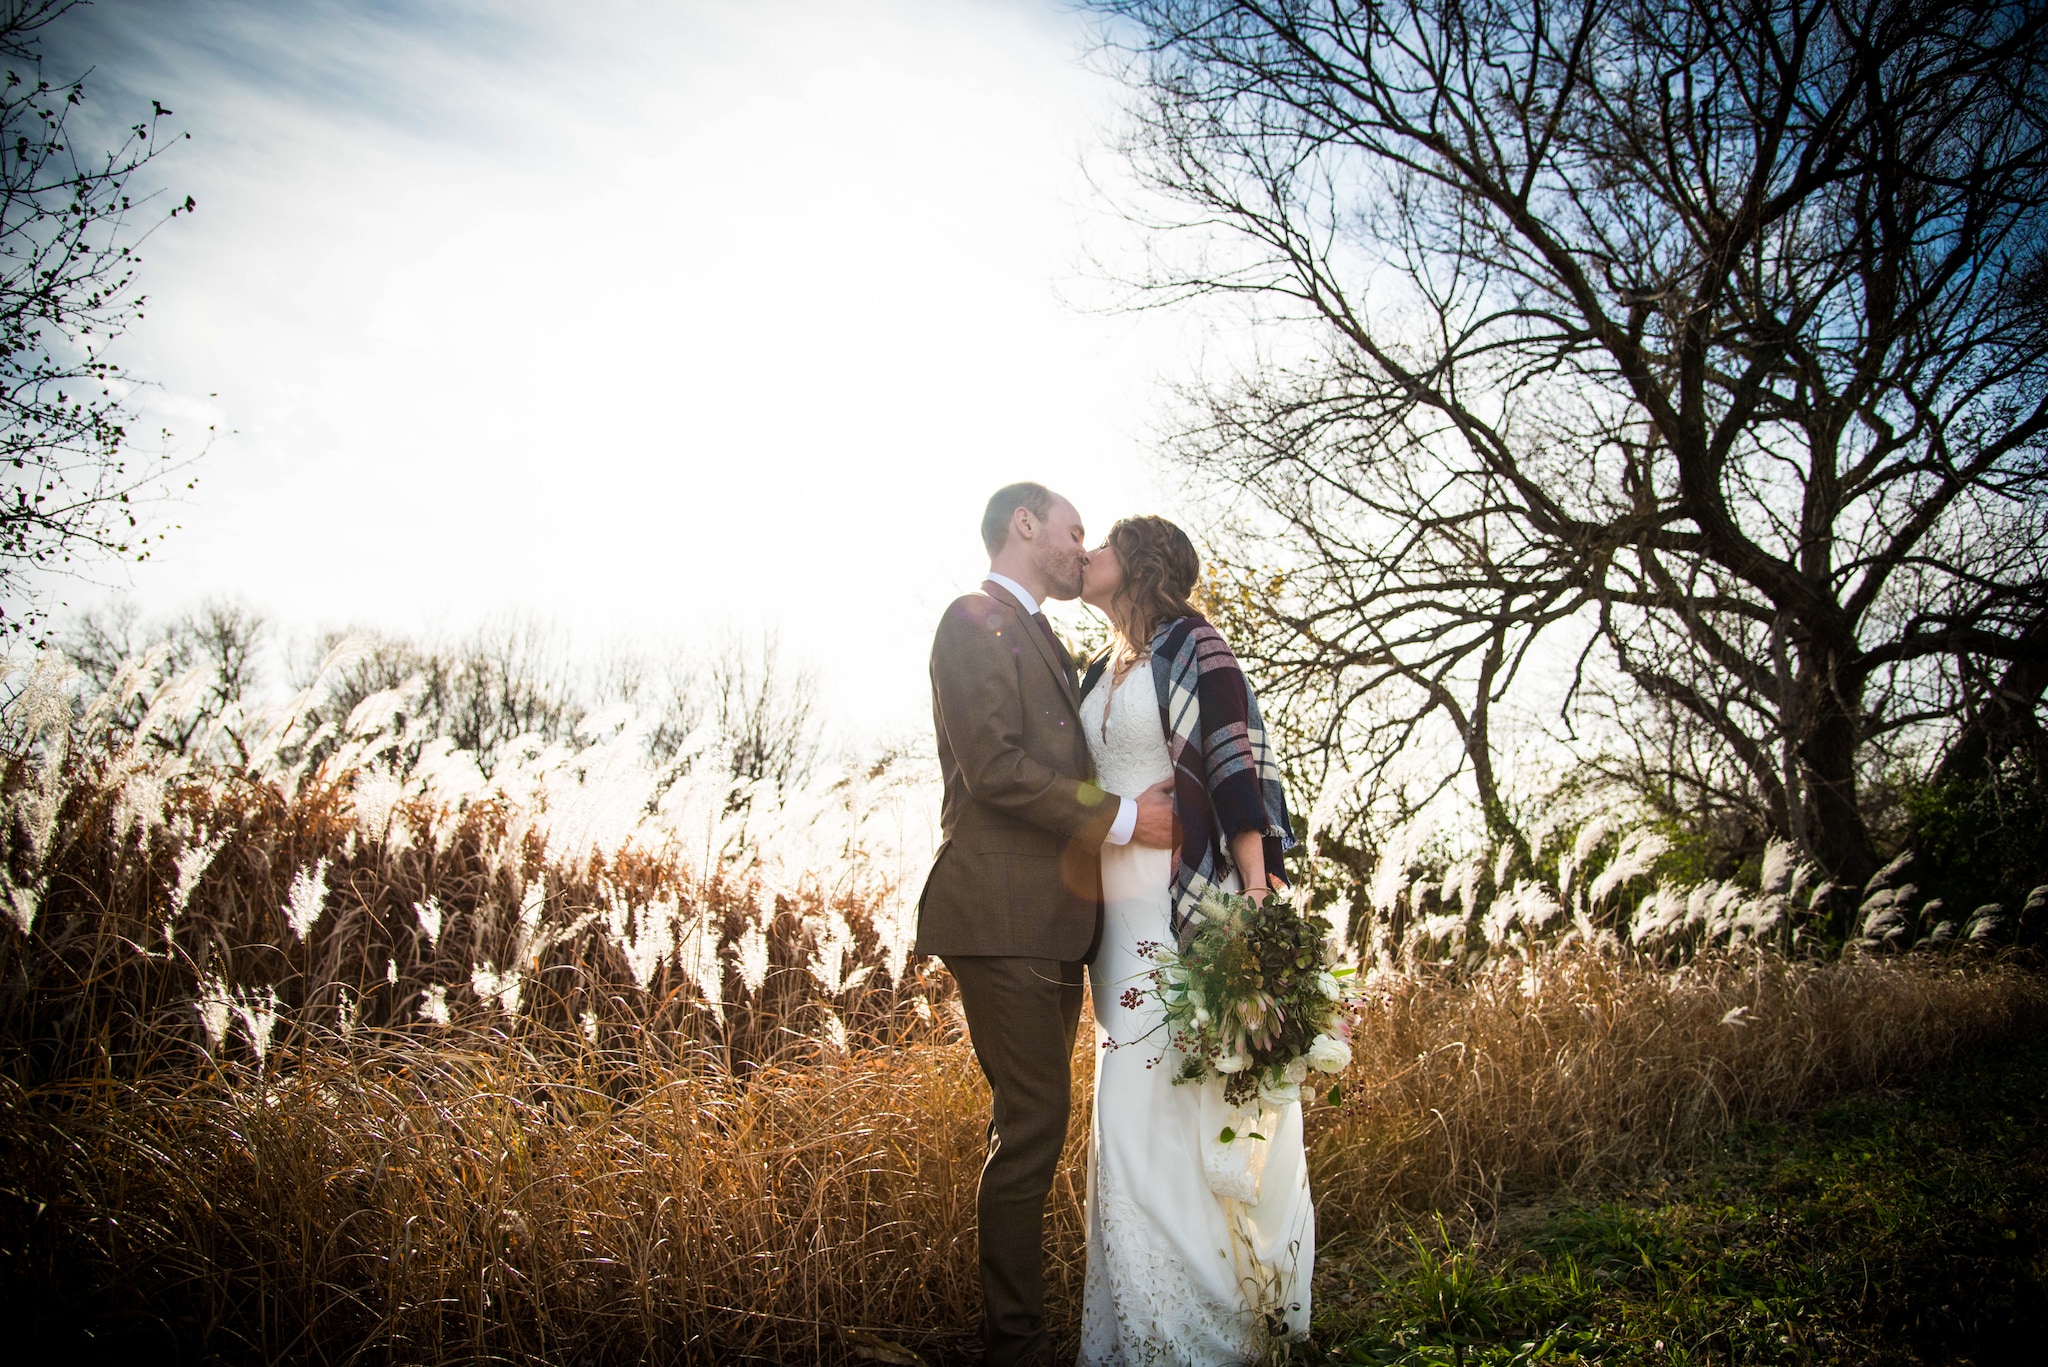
(225, 638)
(68, 234)
(756, 711)
(519, 679)
(765, 711)
(1712, 330)
(482, 691)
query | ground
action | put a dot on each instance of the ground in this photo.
(1904, 1226)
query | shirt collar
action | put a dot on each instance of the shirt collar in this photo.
(1017, 591)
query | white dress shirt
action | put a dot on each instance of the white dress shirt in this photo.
(1127, 810)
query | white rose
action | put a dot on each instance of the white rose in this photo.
(1328, 983)
(1297, 1070)
(1231, 1063)
(1279, 1096)
(1329, 1054)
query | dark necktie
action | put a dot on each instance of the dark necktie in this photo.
(1059, 652)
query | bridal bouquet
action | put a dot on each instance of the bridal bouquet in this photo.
(1254, 998)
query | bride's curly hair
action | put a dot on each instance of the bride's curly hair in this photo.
(1160, 568)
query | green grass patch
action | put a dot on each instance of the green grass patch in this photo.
(1904, 1226)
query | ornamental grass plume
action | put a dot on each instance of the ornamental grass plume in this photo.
(492, 986)
(215, 1006)
(191, 864)
(753, 956)
(307, 899)
(258, 1015)
(429, 913)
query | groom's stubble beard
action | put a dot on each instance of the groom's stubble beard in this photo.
(1062, 568)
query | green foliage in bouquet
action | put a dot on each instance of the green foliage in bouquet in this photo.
(1253, 998)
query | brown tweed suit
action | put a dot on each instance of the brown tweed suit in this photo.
(1012, 905)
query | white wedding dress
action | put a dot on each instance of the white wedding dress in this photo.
(1198, 1249)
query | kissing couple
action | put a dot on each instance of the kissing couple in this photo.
(1084, 818)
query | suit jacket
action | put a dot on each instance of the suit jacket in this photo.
(1023, 820)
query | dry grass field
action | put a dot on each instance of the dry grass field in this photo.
(311, 1059)
(462, 1194)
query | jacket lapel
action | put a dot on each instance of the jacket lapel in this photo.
(1062, 669)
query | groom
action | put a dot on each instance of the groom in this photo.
(1013, 903)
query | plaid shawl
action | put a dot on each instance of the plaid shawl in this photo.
(1226, 781)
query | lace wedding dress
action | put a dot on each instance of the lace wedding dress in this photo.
(1199, 1250)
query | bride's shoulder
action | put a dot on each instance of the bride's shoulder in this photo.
(1191, 633)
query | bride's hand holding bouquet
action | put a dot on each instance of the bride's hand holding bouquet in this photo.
(1253, 997)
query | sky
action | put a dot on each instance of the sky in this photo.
(645, 320)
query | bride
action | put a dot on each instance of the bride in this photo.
(1200, 1241)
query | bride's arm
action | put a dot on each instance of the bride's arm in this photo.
(1226, 710)
(1248, 852)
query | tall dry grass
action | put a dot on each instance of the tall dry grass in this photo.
(465, 1194)
(1585, 1063)
(477, 1197)
(348, 1053)
(166, 912)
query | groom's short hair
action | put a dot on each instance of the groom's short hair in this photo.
(1003, 505)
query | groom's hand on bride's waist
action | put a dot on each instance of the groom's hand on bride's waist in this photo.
(1155, 816)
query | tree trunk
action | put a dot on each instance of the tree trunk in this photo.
(1837, 838)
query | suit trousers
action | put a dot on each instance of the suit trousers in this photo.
(1022, 1015)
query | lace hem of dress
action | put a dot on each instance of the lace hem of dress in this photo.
(1140, 1306)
